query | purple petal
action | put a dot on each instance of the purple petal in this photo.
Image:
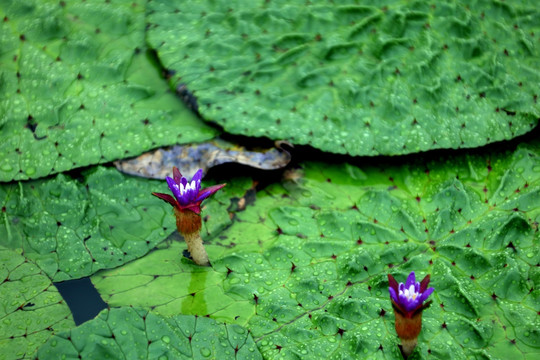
(393, 294)
(204, 193)
(403, 301)
(417, 287)
(184, 199)
(174, 188)
(411, 279)
(196, 181)
(197, 178)
(409, 305)
(413, 305)
(192, 194)
(426, 294)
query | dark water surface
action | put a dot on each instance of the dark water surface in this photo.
(82, 298)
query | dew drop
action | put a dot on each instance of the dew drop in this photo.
(239, 330)
(205, 352)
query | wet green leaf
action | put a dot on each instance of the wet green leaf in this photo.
(73, 227)
(77, 87)
(128, 333)
(31, 309)
(304, 268)
(388, 77)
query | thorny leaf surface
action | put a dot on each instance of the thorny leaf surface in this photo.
(73, 227)
(78, 88)
(391, 77)
(304, 268)
(128, 333)
(31, 309)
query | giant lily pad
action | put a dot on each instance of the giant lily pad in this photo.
(74, 227)
(31, 309)
(377, 78)
(77, 88)
(138, 334)
(304, 268)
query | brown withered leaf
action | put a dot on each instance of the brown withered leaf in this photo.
(158, 164)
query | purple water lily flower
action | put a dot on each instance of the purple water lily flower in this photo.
(408, 298)
(188, 195)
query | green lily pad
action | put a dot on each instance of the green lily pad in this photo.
(77, 87)
(377, 78)
(31, 308)
(72, 228)
(304, 268)
(128, 333)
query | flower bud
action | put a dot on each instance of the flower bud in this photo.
(408, 303)
(186, 202)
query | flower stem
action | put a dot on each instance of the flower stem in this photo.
(408, 328)
(408, 345)
(196, 249)
(189, 224)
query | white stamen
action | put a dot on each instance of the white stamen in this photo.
(409, 293)
(188, 187)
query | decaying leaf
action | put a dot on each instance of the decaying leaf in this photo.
(158, 164)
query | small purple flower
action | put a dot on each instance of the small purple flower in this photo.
(408, 298)
(187, 194)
